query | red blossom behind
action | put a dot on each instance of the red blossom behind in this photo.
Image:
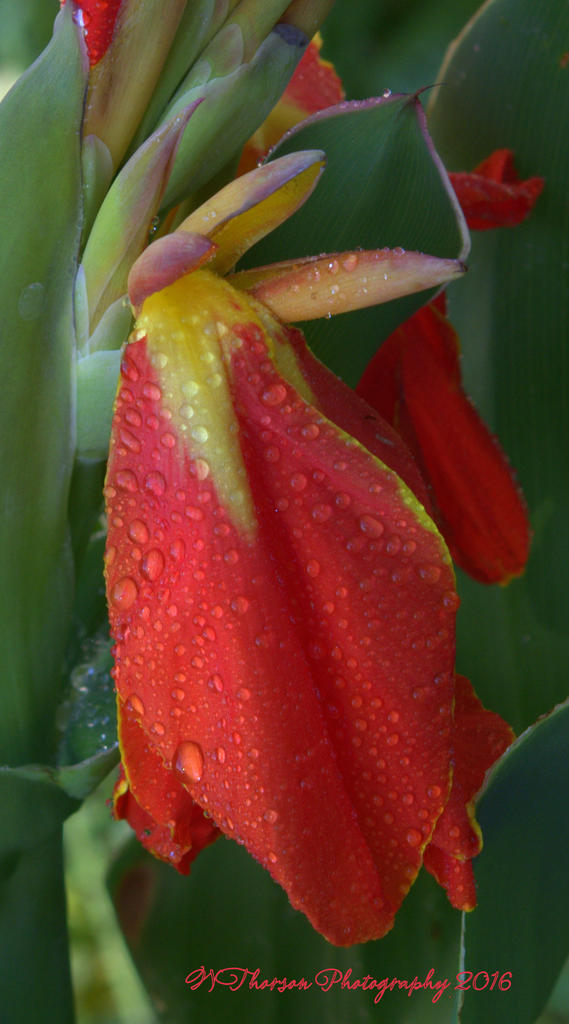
(492, 195)
(414, 381)
(99, 17)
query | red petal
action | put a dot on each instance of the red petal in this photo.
(492, 196)
(99, 23)
(295, 671)
(162, 813)
(358, 418)
(480, 738)
(414, 381)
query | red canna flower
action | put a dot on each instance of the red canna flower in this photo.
(492, 195)
(414, 381)
(282, 606)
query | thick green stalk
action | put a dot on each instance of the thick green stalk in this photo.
(35, 978)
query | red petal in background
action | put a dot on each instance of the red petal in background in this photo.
(480, 738)
(414, 381)
(492, 196)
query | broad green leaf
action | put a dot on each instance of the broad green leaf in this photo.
(503, 90)
(395, 44)
(522, 923)
(369, 196)
(230, 914)
(40, 189)
(506, 86)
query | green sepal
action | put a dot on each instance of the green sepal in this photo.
(97, 377)
(123, 224)
(232, 108)
(200, 21)
(97, 170)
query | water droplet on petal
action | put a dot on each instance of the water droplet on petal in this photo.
(138, 532)
(152, 564)
(429, 573)
(221, 755)
(298, 481)
(321, 512)
(135, 703)
(350, 262)
(126, 480)
(313, 567)
(152, 392)
(188, 761)
(413, 837)
(177, 550)
(270, 816)
(200, 434)
(155, 483)
(124, 593)
(370, 526)
(274, 395)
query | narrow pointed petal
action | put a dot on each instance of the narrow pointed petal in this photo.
(480, 738)
(253, 205)
(321, 286)
(282, 608)
(492, 196)
(122, 226)
(314, 86)
(414, 382)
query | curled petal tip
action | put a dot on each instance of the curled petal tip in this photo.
(164, 262)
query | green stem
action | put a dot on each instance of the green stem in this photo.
(35, 979)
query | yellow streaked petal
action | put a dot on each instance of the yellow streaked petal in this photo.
(253, 205)
(188, 328)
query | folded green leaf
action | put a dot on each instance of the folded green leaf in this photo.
(522, 877)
